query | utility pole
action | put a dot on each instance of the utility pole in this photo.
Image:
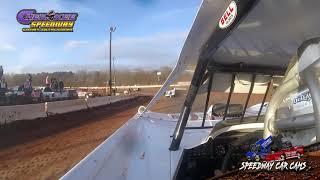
(112, 29)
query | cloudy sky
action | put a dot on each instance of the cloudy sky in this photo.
(150, 33)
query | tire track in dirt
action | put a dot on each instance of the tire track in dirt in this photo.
(52, 146)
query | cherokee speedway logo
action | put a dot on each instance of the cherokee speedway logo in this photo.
(46, 22)
(228, 16)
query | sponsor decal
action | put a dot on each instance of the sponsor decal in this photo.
(46, 22)
(228, 16)
(306, 96)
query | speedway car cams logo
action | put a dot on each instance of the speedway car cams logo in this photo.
(261, 151)
(46, 22)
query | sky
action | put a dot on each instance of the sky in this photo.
(149, 34)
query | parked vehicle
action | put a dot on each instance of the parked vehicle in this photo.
(84, 94)
(72, 94)
(50, 95)
(18, 91)
(170, 93)
(135, 88)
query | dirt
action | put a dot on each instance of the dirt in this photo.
(47, 148)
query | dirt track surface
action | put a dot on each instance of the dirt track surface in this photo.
(48, 148)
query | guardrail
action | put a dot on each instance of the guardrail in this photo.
(9, 114)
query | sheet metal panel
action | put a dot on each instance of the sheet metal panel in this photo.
(269, 36)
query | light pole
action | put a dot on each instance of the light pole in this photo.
(112, 29)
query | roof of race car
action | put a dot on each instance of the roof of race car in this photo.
(269, 36)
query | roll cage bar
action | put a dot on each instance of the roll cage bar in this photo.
(234, 73)
(207, 64)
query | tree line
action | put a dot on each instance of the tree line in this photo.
(93, 78)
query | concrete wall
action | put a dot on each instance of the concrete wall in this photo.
(32, 111)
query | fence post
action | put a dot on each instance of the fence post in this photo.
(46, 108)
(86, 100)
